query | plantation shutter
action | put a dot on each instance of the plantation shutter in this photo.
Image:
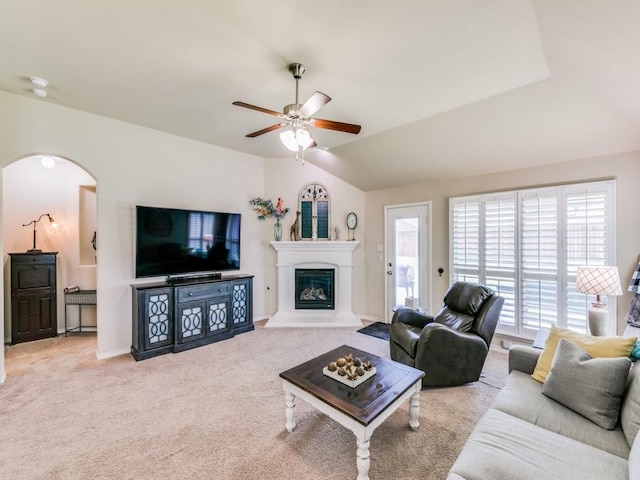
(539, 259)
(500, 252)
(589, 241)
(465, 238)
(527, 245)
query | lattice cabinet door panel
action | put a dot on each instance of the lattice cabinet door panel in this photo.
(218, 316)
(158, 327)
(152, 322)
(241, 304)
(190, 321)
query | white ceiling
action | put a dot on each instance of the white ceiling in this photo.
(442, 88)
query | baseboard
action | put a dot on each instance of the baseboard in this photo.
(113, 353)
(85, 329)
(369, 318)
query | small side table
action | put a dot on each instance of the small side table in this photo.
(80, 297)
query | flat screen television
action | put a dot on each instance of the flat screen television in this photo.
(174, 242)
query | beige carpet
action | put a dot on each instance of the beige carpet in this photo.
(215, 412)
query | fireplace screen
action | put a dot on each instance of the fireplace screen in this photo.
(315, 289)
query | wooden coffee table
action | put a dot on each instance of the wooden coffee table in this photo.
(361, 409)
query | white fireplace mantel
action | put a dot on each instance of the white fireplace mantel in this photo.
(319, 254)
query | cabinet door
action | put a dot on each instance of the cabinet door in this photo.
(45, 319)
(157, 320)
(190, 321)
(218, 316)
(241, 305)
(33, 317)
(21, 319)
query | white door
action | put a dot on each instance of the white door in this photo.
(408, 256)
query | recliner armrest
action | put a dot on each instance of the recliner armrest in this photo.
(523, 358)
(411, 317)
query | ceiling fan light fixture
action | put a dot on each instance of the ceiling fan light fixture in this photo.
(303, 137)
(296, 139)
(288, 138)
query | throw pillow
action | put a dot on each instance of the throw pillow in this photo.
(635, 354)
(607, 347)
(592, 387)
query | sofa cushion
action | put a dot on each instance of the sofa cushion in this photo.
(597, 347)
(592, 387)
(634, 461)
(522, 397)
(630, 410)
(503, 447)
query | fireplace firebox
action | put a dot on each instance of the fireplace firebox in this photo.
(315, 289)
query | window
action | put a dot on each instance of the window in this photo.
(314, 212)
(527, 246)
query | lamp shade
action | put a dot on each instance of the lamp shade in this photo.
(598, 281)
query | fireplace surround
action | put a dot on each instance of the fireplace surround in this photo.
(321, 255)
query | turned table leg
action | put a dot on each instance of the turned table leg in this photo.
(290, 410)
(414, 409)
(363, 460)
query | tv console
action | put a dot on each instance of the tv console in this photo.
(170, 316)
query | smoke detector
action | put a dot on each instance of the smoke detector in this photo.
(39, 86)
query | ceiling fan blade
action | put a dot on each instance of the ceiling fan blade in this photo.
(267, 130)
(315, 103)
(339, 126)
(259, 109)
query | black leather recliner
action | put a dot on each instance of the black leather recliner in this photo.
(451, 346)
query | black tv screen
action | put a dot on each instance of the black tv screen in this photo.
(170, 241)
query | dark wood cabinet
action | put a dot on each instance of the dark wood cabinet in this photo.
(241, 305)
(33, 296)
(180, 316)
(152, 322)
(203, 314)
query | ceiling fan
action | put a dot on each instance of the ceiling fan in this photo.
(299, 117)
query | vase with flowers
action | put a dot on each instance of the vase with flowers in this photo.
(265, 209)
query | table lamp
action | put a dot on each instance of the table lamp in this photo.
(598, 281)
(52, 222)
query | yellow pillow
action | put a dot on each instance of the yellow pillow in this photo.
(597, 347)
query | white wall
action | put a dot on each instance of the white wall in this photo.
(135, 165)
(625, 168)
(285, 177)
(30, 190)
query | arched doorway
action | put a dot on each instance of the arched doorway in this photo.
(45, 184)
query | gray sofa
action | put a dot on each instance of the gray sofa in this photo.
(527, 436)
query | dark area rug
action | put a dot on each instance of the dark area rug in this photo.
(378, 330)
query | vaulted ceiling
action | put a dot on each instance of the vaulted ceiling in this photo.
(441, 88)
